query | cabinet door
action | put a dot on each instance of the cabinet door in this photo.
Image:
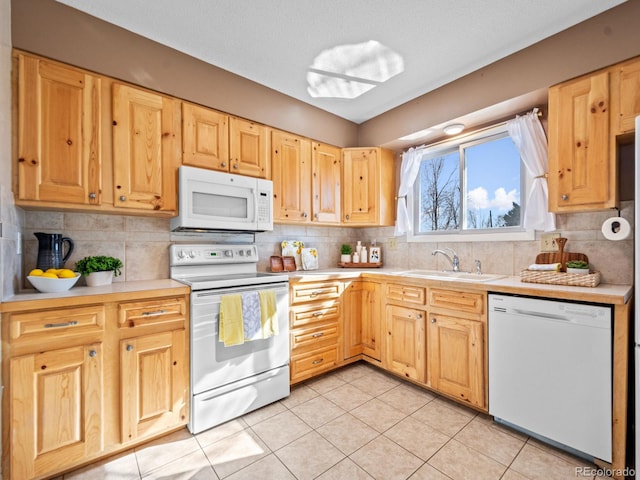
(353, 318)
(153, 372)
(58, 133)
(326, 166)
(291, 171)
(406, 350)
(249, 148)
(205, 138)
(626, 91)
(456, 359)
(55, 409)
(371, 320)
(145, 149)
(581, 172)
(360, 180)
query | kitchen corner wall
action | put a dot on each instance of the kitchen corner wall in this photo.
(142, 243)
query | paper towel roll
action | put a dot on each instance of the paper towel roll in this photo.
(616, 228)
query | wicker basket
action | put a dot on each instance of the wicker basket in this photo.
(558, 278)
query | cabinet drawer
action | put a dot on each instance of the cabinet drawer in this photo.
(313, 337)
(305, 292)
(406, 293)
(314, 313)
(312, 363)
(458, 301)
(162, 311)
(50, 325)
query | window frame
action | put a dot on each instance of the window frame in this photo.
(505, 234)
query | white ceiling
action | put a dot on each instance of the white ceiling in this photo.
(275, 42)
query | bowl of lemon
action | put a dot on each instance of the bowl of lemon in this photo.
(53, 280)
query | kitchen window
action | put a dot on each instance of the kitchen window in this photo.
(470, 188)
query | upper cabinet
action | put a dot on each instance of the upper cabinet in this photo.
(249, 148)
(146, 154)
(59, 136)
(368, 187)
(586, 115)
(216, 141)
(326, 167)
(205, 138)
(625, 96)
(291, 173)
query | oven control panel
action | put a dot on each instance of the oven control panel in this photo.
(210, 254)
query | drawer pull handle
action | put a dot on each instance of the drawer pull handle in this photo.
(155, 312)
(316, 362)
(316, 293)
(63, 324)
(316, 314)
(316, 335)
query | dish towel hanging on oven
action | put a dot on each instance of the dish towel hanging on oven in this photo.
(268, 313)
(231, 331)
(251, 316)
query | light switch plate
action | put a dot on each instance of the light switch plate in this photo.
(392, 243)
(548, 242)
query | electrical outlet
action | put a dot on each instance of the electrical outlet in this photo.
(548, 242)
(392, 243)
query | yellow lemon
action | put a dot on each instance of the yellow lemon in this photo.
(48, 274)
(52, 270)
(66, 273)
(36, 272)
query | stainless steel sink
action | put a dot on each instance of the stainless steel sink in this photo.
(450, 275)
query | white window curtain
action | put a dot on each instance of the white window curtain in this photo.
(408, 173)
(528, 135)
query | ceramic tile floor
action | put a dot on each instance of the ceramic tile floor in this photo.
(351, 424)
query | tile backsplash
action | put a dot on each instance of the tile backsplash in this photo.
(142, 243)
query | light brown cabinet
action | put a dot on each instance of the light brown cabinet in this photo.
(249, 148)
(587, 116)
(368, 187)
(291, 174)
(205, 138)
(326, 168)
(315, 328)
(625, 96)
(362, 317)
(456, 345)
(405, 346)
(146, 153)
(59, 134)
(71, 398)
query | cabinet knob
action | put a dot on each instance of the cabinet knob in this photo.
(129, 348)
(347, 217)
(223, 164)
(92, 196)
(433, 320)
(304, 215)
(92, 353)
(123, 198)
(565, 197)
(235, 166)
(419, 315)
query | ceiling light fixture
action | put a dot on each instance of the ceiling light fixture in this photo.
(453, 129)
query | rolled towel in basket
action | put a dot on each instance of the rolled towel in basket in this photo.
(545, 267)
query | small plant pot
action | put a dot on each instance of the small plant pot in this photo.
(345, 258)
(96, 279)
(581, 271)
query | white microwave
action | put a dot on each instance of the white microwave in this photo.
(218, 201)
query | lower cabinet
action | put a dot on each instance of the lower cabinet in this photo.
(153, 383)
(456, 357)
(56, 409)
(70, 398)
(405, 352)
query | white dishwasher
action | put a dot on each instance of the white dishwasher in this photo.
(550, 371)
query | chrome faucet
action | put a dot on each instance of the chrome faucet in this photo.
(452, 256)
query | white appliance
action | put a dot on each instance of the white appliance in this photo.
(227, 382)
(218, 201)
(550, 371)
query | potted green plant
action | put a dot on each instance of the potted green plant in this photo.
(99, 270)
(577, 266)
(345, 253)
